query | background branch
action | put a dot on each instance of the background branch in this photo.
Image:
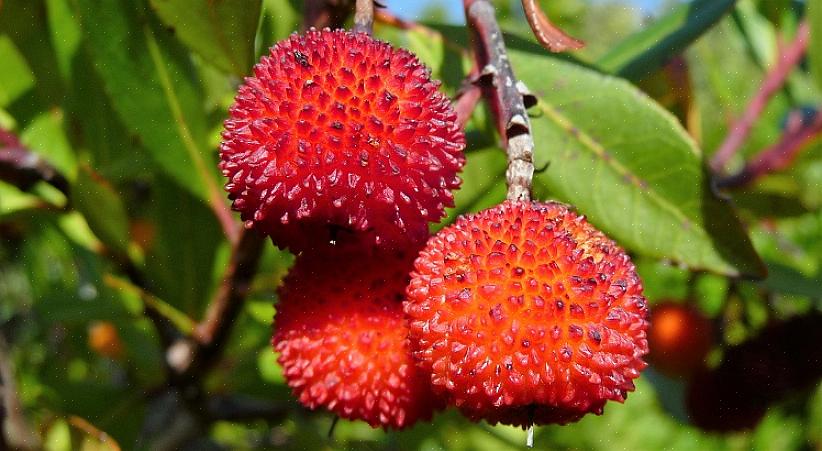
(547, 34)
(505, 94)
(23, 168)
(15, 432)
(467, 98)
(774, 79)
(798, 134)
(212, 332)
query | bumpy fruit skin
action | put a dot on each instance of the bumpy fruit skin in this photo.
(524, 313)
(680, 338)
(343, 341)
(336, 133)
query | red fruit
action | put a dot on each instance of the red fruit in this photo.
(524, 313)
(679, 339)
(339, 132)
(342, 339)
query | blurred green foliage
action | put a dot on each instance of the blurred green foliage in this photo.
(126, 100)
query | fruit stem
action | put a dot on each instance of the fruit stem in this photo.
(364, 16)
(529, 439)
(23, 168)
(506, 95)
(333, 427)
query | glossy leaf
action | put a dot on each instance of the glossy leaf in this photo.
(16, 77)
(630, 167)
(45, 135)
(221, 31)
(151, 87)
(646, 51)
(103, 209)
(279, 19)
(179, 262)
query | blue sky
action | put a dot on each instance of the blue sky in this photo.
(410, 9)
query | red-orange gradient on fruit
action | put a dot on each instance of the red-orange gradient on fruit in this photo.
(337, 132)
(342, 338)
(524, 313)
(679, 339)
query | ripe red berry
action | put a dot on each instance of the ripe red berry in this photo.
(524, 313)
(343, 341)
(337, 132)
(679, 339)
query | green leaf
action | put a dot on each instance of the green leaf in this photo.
(279, 19)
(180, 260)
(815, 42)
(45, 136)
(447, 60)
(16, 77)
(100, 204)
(221, 31)
(786, 280)
(152, 87)
(26, 25)
(642, 53)
(629, 166)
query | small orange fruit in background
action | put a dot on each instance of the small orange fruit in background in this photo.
(104, 339)
(680, 338)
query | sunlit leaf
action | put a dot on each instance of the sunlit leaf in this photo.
(629, 166)
(645, 51)
(152, 87)
(221, 31)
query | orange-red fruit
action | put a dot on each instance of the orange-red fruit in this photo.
(524, 313)
(342, 339)
(679, 339)
(104, 339)
(338, 132)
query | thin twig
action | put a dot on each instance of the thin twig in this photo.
(789, 57)
(15, 430)
(364, 16)
(797, 136)
(212, 332)
(547, 34)
(506, 96)
(467, 97)
(230, 226)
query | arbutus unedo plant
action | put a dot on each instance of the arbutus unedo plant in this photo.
(469, 225)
